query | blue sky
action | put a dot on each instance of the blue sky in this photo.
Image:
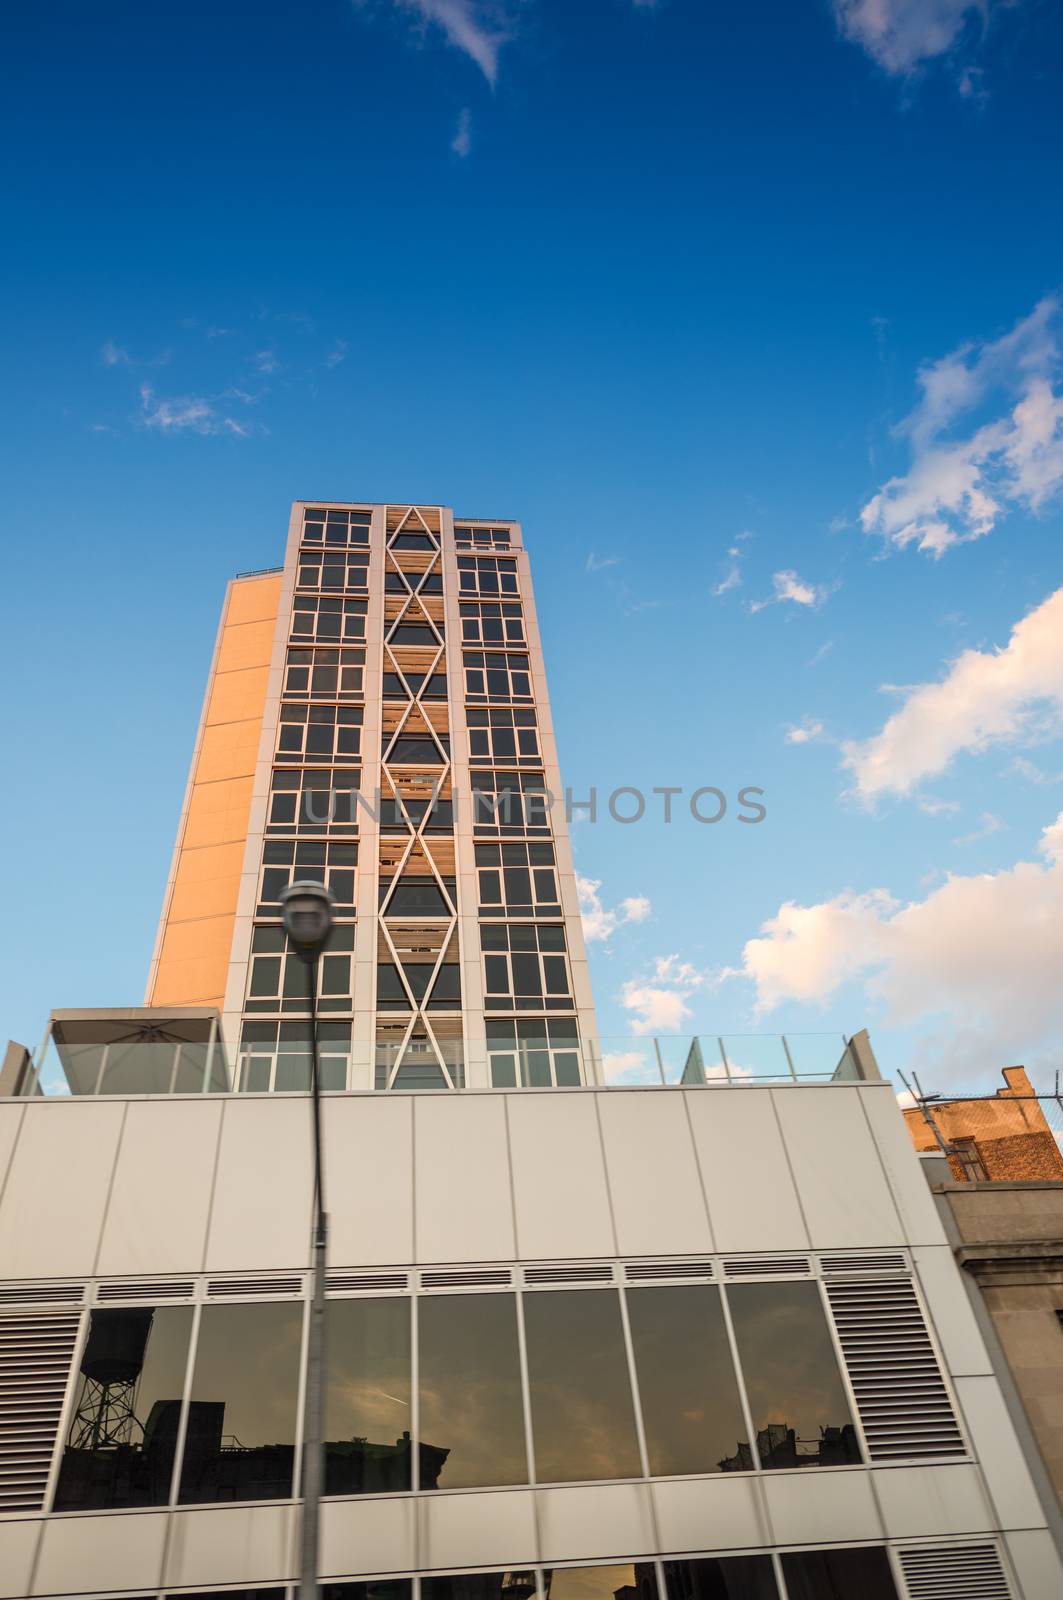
(751, 314)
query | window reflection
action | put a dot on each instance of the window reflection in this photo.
(367, 1396)
(240, 1439)
(628, 1581)
(582, 1420)
(690, 1406)
(120, 1447)
(471, 1412)
(793, 1385)
(480, 1586)
(722, 1578)
(375, 1589)
(839, 1574)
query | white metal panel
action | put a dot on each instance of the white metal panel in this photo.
(366, 1536)
(817, 1506)
(477, 1530)
(918, 1502)
(562, 1201)
(464, 1200)
(717, 1513)
(55, 1197)
(80, 1554)
(911, 1192)
(262, 1192)
(10, 1119)
(752, 1200)
(951, 1311)
(658, 1203)
(600, 1522)
(18, 1544)
(157, 1215)
(840, 1181)
(998, 1451)
(230, 1544)
(368, 1144)
(1037, 1563)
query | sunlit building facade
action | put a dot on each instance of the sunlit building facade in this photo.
(672, 1321)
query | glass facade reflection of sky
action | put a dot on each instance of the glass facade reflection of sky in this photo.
(367, 1396)
(691, 1412)
(470, 1391)
(582, 1418)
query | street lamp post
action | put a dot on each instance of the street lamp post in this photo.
(306, 911)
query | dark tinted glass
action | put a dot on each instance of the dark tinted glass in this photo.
(367, 1396)
(582, 1420)
(726, 1578)
(241, 1419)
(480, 1586)
(471, 1413)
(375, 1589)
(862, 1574)
(800, 1412)
(631, 1581)
(120, 1447)
(690, 1405)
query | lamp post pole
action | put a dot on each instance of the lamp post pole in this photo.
(306, 909)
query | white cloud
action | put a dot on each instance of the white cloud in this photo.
(266, 361)
(903, 34)
(980, 956)
(957, 490)
(987, 697)
(186, 414)
(938, 808)
(659, 1003)
(788, 586)
(479, 28)
(806, 731)
(112, 355)
(461, 143)
(988, 824)
(600, 923)
(599, 563)
(337, 354)
(732, 577)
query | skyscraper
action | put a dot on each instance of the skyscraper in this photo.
(377, 718)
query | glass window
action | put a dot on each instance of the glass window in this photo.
(839, 1574)
(240, 1440)
(533, 1052)
(722, 1578)
(800, 1412)
(367, 1396)
(635, 1580)
(471, 1412)
(120, 1447)
(375, 1589)
(480, 1586)
(690, 1406)
(583, 1425)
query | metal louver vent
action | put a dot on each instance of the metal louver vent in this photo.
(638, 1271)
(766, 1266)
(483, 1276)
(150, 1289)
(341, 1282)
(561, 1274)
(900, 1393)
(955, 1572)
(42, 1294)
(884, 1261)
(242, 1286)
(35, 1356)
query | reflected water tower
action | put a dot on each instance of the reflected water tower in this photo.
(111, 1367)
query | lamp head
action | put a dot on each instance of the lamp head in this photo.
(306, 911)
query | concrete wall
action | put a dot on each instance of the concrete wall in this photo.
(1012, 1245)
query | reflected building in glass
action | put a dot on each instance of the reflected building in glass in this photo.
(641, 1319)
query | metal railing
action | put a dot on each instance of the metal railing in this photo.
(152, 1053)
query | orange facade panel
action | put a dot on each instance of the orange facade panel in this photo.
(197, 929)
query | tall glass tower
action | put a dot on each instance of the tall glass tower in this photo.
(377, 718)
